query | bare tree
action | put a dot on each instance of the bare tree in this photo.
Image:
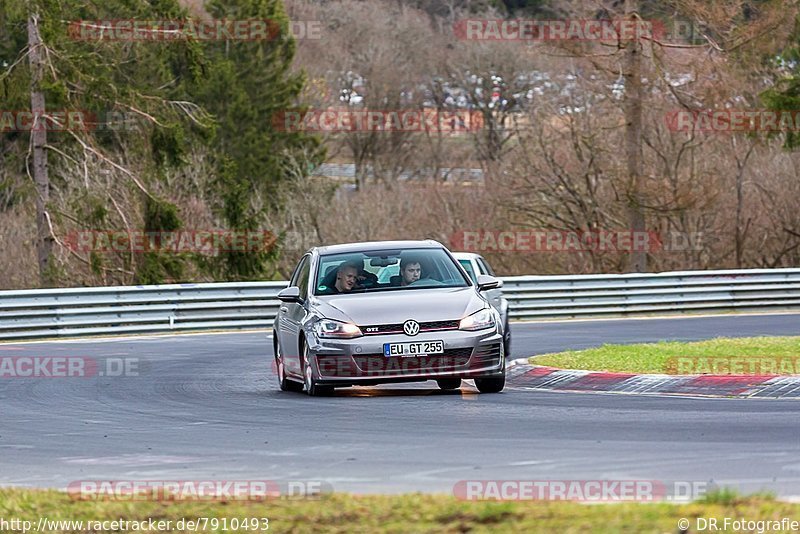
(44, 234)
(633, 136)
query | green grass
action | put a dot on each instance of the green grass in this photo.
(730, 497)
(715, 356)
(342, 513)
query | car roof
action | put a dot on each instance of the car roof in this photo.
(369, 246)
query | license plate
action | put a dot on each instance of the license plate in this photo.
(414, 348)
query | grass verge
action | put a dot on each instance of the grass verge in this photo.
(752, 355)
(341, 513)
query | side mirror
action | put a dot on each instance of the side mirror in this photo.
(488, 282)
(290, 294)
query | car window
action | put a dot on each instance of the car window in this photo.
(484, 265)
(467, 265)
(296, 272)
(481, 267)
(385, 274)
(305, 270)
(380, 270)
(376, 270)
(300, 276)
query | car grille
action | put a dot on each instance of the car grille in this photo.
(431, 326)
(486, 355)
(380, 365)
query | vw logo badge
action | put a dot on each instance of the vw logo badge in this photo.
(411, 327)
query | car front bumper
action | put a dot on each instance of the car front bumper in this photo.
(361, 360)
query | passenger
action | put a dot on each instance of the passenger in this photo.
(410, 271)
(346, 277)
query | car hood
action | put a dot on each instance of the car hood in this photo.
(392, 307)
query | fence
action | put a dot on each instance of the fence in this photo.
(250, 305)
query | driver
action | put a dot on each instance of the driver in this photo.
(410, 271)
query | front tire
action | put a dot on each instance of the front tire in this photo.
(507, 340)
(310, 383)
(449, 383)
(493, 384)
(284, 383)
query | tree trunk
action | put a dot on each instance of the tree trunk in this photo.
(739, 205)
(741, 233)
(637, 259)
(44, 239)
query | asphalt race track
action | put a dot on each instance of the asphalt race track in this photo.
(208, 407)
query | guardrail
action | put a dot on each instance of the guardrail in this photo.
(223, 306)
(137, 309)
(535, 297)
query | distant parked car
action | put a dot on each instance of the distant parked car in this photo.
(476, 265)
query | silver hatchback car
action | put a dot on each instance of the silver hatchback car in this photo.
(340, 325)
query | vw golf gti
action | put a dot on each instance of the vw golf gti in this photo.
(341, 324)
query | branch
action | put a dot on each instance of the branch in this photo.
(127, 225)
(139, 112)
(120, 168)
(23, 54)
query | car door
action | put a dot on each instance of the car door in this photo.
(291, 318)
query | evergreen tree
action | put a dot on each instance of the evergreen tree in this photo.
(785, 95)
(251, 83)
(210, 97)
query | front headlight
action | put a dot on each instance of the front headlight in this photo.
(478, 320)
(335, 329)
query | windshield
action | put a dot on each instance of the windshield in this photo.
(387, 270)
